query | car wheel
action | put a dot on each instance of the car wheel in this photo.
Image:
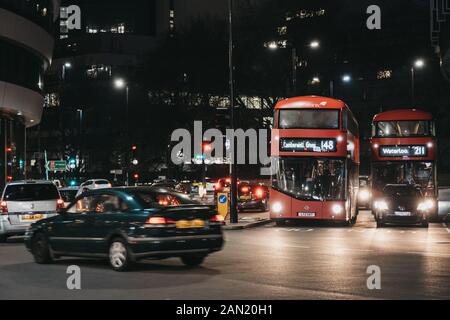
(425, 224)
(380, 224)
(193, 261)
(119, 255)
(41, 249)
(3, 238)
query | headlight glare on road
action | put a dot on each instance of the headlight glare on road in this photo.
(364, 195)
(337, 209)
(277, 207)
(381, 205)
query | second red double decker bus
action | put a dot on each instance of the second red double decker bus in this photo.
(404, 152)
(315, 151)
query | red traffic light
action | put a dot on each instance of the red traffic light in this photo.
(206, 146)
(8, 149)
(134, 148)
(136, 176)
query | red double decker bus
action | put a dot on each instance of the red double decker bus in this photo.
(404, 149)
(315, 153)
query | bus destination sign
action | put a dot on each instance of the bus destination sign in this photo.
(307, 145)
(403, 151)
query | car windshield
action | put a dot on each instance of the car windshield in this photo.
(310, 178)
(405, 172)
(31, 192)
(308, 119)
(153, 199)
(403, 128)
(402, 191)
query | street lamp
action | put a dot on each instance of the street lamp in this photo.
(120, 84)
(418, 64)
(346, 78)
(314, 44)
(66, 65)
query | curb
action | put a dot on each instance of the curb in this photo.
(246, 226)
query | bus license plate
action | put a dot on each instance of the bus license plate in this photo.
(306, 214)
(402, 213)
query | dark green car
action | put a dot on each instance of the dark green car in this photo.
(128, 224)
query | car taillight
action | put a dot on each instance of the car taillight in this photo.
(159, 220)
(217, 218)
(245, 189)
(217, 186)
(60, 204)
(3, 207)
(259, 193)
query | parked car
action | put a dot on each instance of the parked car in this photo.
(127, 224)
(93, 184)
(444, 203)
(402, 204)
(24, 202)
(68, 194)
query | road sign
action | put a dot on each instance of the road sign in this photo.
(58, 165)
(222, 204)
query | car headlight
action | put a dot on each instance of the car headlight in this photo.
(425, 205)
(381, 205)
(364, 195)
(277, 207)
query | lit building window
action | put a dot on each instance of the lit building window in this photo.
(52, 100)
(96, 71)
(384, 74)
(282, 30)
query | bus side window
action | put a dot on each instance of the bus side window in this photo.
(345, 119)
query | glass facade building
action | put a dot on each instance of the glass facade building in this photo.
(26, 47)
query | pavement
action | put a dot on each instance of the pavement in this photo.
(299, 261)
(248, 219)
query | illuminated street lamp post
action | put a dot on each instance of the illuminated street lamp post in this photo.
(419, 64)
(120, 84)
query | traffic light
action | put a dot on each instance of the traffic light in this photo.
(9, 149)
(206, 146)
(134, 148)
(136, 176)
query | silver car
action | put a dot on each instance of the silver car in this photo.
(25, 202)
(444, 203)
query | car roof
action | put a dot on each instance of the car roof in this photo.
(69, 189)
(22, 182)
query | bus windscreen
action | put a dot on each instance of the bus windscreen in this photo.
(403, 128)
(308, 119)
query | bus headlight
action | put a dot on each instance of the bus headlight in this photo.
(277, 207)
(337, 209)
(364, 195)
(381, 205)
